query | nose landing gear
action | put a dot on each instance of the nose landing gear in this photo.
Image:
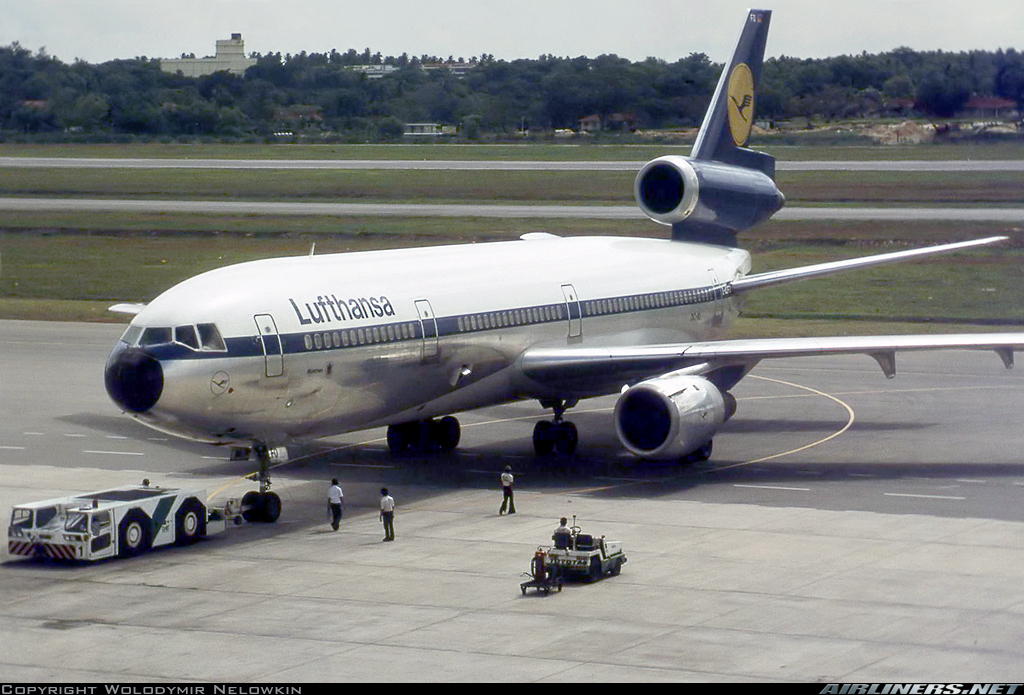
(558, 434)
(263, 506)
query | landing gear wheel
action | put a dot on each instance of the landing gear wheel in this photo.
(398, 440)
(261, 507)
(424, 435)
(271, 507)
(252, 506)
(566, 438)
(543, 438)
(447, 433)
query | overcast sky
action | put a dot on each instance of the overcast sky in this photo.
(100, 30)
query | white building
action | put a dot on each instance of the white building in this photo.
(230, 56)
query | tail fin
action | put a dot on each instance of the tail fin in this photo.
(726, 129)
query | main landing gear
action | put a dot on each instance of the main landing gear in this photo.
(423, 436)
(557, 435)
(264, 506)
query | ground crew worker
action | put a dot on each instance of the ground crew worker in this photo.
(336, 502)
(562, 535)
(506, 486)
(387, 514)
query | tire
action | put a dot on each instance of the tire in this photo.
(134, 534)
(595, 572)
(566, 438)
(543, 438)
(271, 507)
(190, 522)
(448, 433)
(252, 506)
(616, 568)
(397, 440)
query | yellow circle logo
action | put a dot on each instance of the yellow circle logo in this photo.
(741, 103)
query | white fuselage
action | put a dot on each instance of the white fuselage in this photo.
(320, 345)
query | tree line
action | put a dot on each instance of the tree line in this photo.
(320, 94)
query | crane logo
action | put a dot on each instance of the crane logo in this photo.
(740, 103)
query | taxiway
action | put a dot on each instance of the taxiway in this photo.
(847, 529)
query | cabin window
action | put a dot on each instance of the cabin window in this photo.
(307, 340)
(337, 339)
(376, 335)
(318, 341)
(391, 332)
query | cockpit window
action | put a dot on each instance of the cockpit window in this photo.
(186, 335)
(155, 336)
(131, 335)
(211, 338)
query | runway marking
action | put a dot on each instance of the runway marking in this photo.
(74, 435)
(114, 453)
(927, 497)
(775, 487)
(34, 434)
(13, 448)
(849, 423)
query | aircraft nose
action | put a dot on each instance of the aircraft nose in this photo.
(134, 379)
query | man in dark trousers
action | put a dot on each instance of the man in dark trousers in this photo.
(336, 501)
(387, 514)
(506, 485)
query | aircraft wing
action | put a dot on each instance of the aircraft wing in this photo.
(807, 272)
(625, 364)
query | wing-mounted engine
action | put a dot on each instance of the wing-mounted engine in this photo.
(671, 416)
(705, 200)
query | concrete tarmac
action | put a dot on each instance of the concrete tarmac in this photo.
(847, 529)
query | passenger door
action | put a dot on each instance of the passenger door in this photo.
(273, 352)
(572, 305)
(428, 328)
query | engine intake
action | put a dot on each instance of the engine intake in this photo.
(672, 190)
(671, 416)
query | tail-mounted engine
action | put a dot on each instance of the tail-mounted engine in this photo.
(671, 416)
(705, 200)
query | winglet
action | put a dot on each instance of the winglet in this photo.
(726, 129)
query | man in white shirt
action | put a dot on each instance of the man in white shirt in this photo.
(387, 514)
(336, 502)
(506, 486)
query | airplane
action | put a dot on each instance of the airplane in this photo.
(266, 353)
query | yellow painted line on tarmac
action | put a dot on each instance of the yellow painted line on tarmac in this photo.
(841, 430)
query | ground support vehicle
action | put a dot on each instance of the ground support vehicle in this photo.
(120, 522)
(578, 555)
(544, 575)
